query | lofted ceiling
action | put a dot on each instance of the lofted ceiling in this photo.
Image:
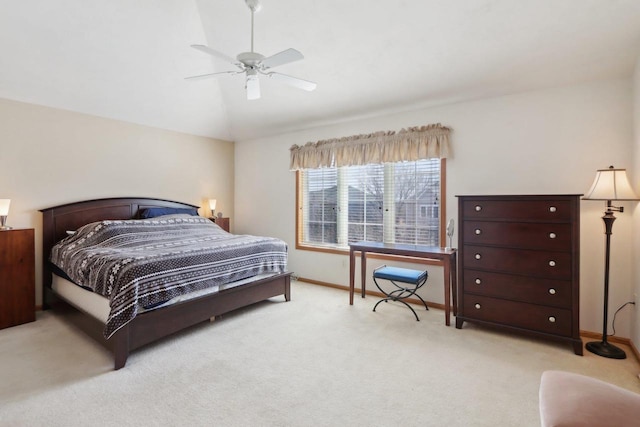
(127, 59)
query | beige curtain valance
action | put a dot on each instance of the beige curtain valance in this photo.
(411, 144)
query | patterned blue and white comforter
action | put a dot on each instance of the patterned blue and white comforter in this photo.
(141, 263)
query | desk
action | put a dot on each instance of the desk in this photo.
(447, 256)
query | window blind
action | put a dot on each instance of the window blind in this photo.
(392, 202)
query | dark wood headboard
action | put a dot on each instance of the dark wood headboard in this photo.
(58, 219)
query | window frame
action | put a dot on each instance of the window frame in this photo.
(308, 247)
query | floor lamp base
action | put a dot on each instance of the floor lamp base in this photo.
(605, 349)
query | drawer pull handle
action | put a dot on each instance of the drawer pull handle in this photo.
(552, 319)
(478, 208)
(478, 281)
(478, 306)
(552, 209)
(478, 256)
(552, 291)
(478, 231)
(552, 263)
(552, 235)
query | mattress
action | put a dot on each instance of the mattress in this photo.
(97, 305)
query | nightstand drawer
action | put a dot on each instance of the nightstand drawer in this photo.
(539, 318)
(513, 210)
(526, 235)
(556, 293)
(553, 265)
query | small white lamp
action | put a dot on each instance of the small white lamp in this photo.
(4, 211)
(212, 206)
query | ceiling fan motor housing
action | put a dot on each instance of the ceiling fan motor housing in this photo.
(250, 59)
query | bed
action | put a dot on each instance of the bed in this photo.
(148, 326)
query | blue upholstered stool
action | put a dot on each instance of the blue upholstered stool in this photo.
(412, 280)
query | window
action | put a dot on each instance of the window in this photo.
(391, 202)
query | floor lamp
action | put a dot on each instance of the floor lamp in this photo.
(609, 185)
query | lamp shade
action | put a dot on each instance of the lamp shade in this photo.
(212, 205)
(611, 184)
(4, 206)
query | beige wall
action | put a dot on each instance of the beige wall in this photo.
(50, 157)
(548, 141)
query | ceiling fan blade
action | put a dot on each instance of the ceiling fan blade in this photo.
(219, 55)
(205, 76)
(293, 81)
(253, 87)
(284, 57)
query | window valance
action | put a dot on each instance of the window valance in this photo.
(410, 144)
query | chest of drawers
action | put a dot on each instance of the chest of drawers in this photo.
(519, 264)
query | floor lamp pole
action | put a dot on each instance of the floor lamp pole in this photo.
(603, 348)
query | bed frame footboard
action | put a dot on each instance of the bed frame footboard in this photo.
(154, 325)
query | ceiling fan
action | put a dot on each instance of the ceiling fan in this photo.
(253, 64)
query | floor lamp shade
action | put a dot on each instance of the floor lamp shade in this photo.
(609, 185)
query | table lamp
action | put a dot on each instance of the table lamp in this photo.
(4, 211)
(212, 206)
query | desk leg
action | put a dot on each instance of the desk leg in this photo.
(352, 273)
(363, 270)
(454, 283)
(447, 290)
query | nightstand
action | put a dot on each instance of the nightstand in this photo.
(223, 223)
(17, 277)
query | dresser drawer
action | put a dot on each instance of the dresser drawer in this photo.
(513, 210)
(556, 293)
(526, 235)
(553, 265)
(539, 318)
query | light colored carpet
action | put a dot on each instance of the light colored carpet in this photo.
(314, 361)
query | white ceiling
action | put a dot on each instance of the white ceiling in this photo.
(127, 59)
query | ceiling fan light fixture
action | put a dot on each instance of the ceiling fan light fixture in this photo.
(252, 85)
